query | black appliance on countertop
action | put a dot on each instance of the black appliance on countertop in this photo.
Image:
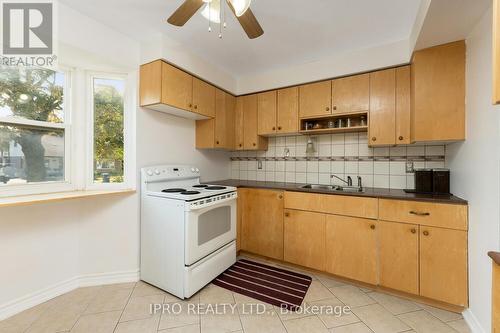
(432, 181)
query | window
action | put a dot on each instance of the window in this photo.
(33, 126)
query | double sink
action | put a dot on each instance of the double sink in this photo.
(333, 188)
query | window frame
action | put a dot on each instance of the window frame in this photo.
(68, 183)
(129, 180)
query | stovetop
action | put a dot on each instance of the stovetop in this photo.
(192, 192)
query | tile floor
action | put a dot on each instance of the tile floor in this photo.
(125, 308)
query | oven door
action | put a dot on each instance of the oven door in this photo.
(209, 228)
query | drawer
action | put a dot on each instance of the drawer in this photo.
(332, 204)
(424, 213)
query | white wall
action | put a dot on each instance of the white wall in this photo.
(44, 248)
(475, 167)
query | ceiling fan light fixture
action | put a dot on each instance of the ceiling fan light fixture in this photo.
(240, 6)
(211, 11)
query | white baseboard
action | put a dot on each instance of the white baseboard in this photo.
(23, 303)
(472, 321)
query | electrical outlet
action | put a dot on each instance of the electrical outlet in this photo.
(259, 165)
(409, 167)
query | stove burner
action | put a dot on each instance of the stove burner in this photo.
(174, 190)
(200, 186)
(215, 188)
(190, 192)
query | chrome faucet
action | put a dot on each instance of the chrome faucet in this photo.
(348, 182)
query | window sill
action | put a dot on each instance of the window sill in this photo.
(58, 196)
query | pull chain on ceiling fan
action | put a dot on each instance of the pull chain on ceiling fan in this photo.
(214, 11)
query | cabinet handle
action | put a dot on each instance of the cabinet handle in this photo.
(280, 196)
(372, 226)
(195, 107)
(279, 128)
(190, 105)
(287, 214)
(426, 233)
(374, 139)
(274, 128)
(254, 144)
(400, 138)
(240, 144)
(327, 108)
(335, 107)
(419, 213)
(413, 230)
(217, 142)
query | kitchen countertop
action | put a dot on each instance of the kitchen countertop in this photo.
(368, 191)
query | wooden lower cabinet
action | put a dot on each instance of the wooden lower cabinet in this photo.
(262, 222)
(398, 256)
(351, 248)
(496, 298)
(239, 210)
(443, 265)
(304, 238)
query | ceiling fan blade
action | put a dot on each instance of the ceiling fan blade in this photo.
(248, 22)
(185, 12)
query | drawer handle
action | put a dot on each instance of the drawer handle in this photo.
(287, 214)
(426, 233)
(413, 230)
(280, 196)
(372, 226)
(419, 213)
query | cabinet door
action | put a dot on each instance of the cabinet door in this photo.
(220, 119)
(398, 249)
(305, 239)
(251, 140)
(496, 298)
(382, 119)
(403, 105)
(351, 94)
(266, 115)
(351, 248)
(288, 110)
(239, 210)
(205, 134)
(315, 99)
(203, 98)
(150, 83)
(443, 265)
(230, 121)
(438, 89)
(262, 222)
(238, 124)
(176, 87)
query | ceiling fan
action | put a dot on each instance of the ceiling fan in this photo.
(214, 11)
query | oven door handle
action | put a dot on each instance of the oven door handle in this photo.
(211, 205)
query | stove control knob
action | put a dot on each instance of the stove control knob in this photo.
(150, 172)
(193, 170)
(157, 172)
(197, 170)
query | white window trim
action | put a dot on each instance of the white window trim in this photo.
(51, 186)
(129, 179)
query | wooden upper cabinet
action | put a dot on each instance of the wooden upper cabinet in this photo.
(438, 93)
(351, 248)
(288, 110)
(403, 105)
(262, 222)
(176, 87)
(218, 132)
(496, 55)
(351, 94)
(150, 83)
(382, 119)
(203, 98)
(398, 249)
(238, 124)
(304, 238)
(315, 99)
(443, 265)
(266, 113)
(251, 139)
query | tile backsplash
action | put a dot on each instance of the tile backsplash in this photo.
(340, 154)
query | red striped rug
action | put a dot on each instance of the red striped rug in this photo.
(268, 284)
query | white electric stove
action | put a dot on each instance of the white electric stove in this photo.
(188, 229)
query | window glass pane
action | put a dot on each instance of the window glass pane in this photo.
(32, 93)
(29, 155)
(108, 130)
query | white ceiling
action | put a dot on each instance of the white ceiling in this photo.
(296, 31)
